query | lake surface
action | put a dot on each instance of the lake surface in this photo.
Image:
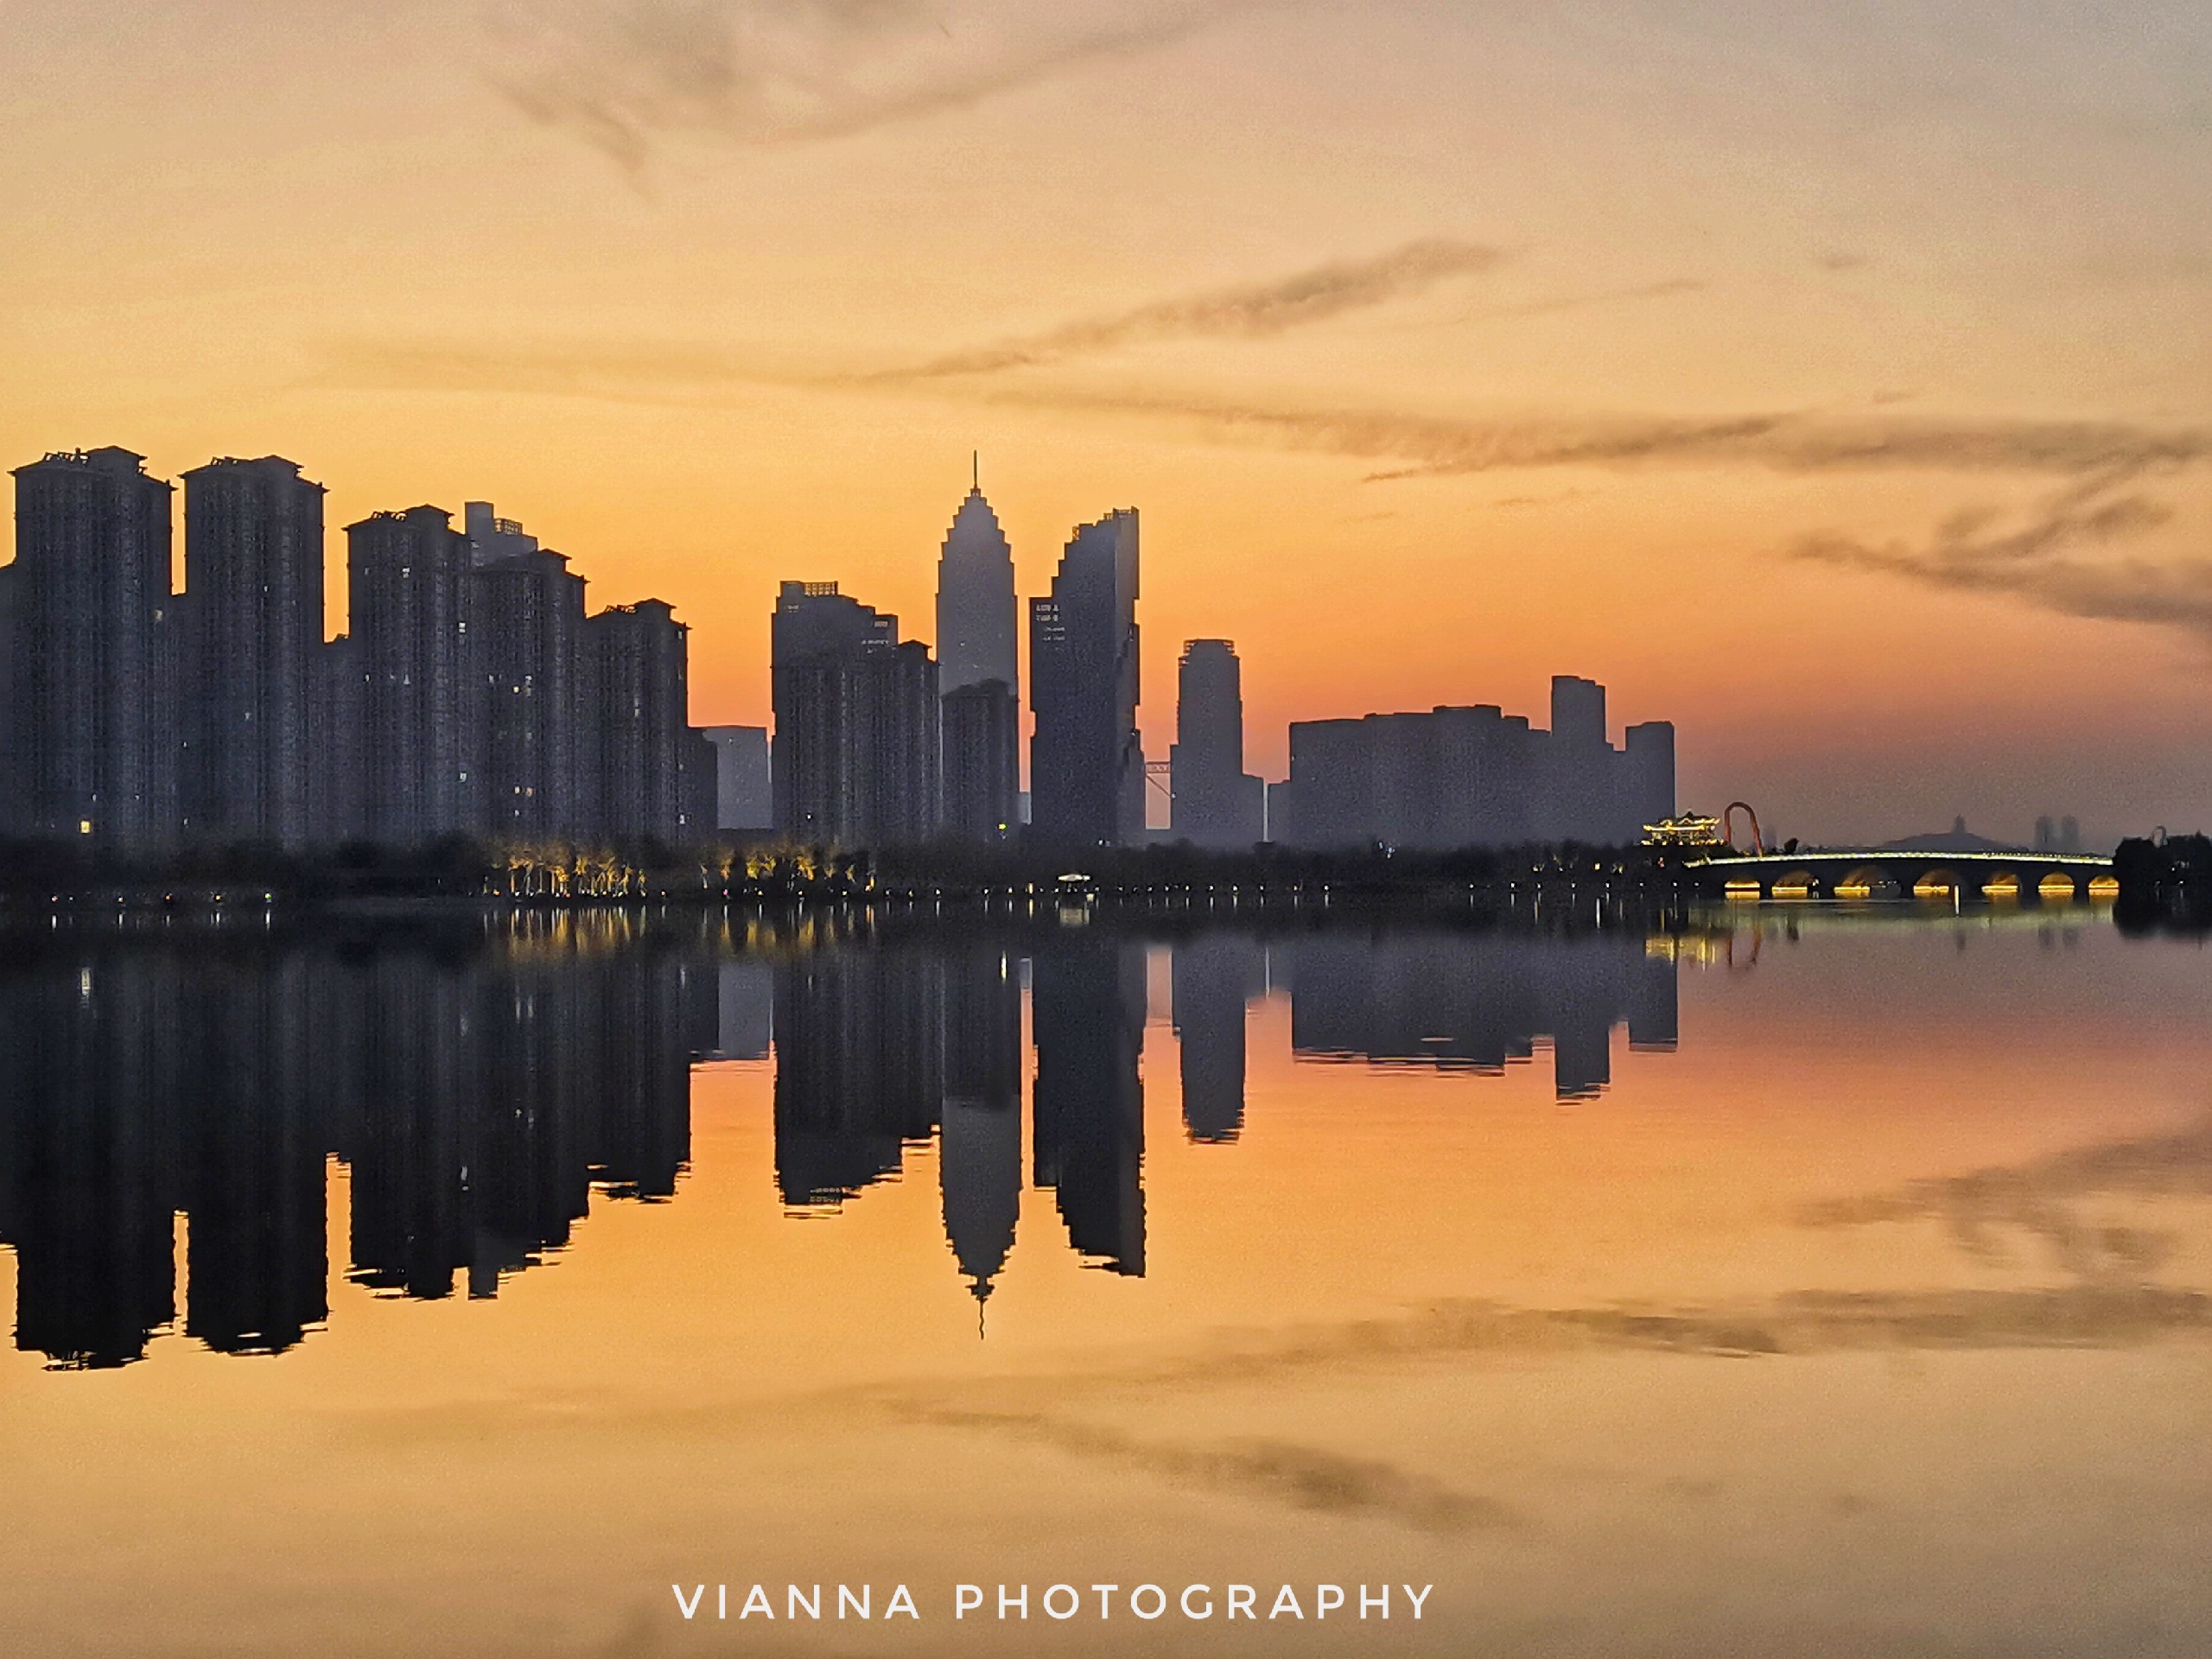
(1801, 1281)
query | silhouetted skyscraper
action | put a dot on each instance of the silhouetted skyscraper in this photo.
(743, 799)
(855, 759)
(637, 697)
(408, 620)
(1086, 762)
(1577, 765)
(1647, 761)
(1465, 776)
(527, 628)
(976, 609)
(491, 538)
(253, 580)
(1215, 803)
(976, 646)
(979, 741)
(95, 729)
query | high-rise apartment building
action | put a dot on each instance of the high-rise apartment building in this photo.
(408, 583)
(1466, 777)
(253, 590)
(526, 615)
(1214, 803)
(1647, 764)
(491, 538)
(1086, 762)
(979, 741)
(855, 761)
(639, 695)
(94, 689)
(742, 796)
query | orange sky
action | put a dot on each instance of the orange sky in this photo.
(1641, 305)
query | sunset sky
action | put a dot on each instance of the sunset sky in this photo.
(1835, 381)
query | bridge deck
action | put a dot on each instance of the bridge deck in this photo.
(1805, 856)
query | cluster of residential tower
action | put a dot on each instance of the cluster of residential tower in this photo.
(471, 695)
(474, 694)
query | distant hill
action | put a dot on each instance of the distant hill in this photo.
(1957, 839)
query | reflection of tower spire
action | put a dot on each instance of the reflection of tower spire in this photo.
(979, 1146)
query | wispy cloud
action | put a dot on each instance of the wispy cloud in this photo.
(1669, 289)
(1780, 441)
(624, 74)
(2100, 455)
(1250, 311)
(2059, 556)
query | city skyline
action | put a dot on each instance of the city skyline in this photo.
(1834, 379)
(214, 714)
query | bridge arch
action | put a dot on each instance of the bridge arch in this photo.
(1796, 884)
(1867, 881)
(2057, 885)
(2002, 884)
(1936, 882)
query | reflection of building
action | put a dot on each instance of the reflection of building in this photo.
(1478, 1002)
(1216, 803)
(1463, 777)
(1086, 765)
(253, 1147)
(88, 1174)
(860, 1060)
(478, 1096)
(1087, 1005)
(980, 1139)
(1217, 974)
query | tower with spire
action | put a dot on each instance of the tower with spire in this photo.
(978, 671)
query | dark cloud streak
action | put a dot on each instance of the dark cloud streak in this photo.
(623, 75)
(2053, 558)
(1253, 311)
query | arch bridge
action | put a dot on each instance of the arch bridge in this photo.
(1869, 874)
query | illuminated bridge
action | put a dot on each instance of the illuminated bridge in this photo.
(1949, 876)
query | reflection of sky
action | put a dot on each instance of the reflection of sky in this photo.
(1872, 1315)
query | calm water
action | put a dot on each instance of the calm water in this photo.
(1791, 1282)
